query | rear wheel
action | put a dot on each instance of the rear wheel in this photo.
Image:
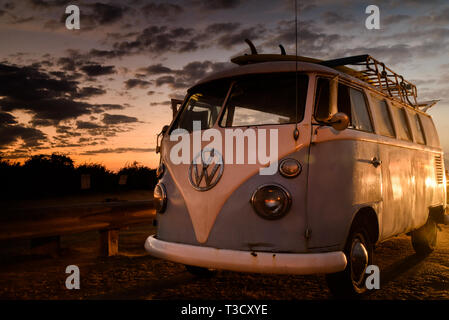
(200, 272)
(424, 239)
(350, 283)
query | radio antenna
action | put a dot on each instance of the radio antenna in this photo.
(296, 131)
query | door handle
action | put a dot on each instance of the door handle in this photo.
(376, 162)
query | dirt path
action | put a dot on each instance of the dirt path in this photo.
(135, 275)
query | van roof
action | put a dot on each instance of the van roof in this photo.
(281, 66)
(368, 72)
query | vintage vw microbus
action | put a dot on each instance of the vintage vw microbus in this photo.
(358, 162)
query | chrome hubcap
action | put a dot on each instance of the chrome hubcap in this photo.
(359, 261)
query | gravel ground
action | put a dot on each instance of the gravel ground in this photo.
(135, 275)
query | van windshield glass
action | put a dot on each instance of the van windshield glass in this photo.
(265, 99)
(203, 105)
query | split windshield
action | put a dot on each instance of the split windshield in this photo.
(254, 100)
(265, 99)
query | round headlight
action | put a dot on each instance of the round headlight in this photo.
(271, 201)
(290, 168)
(160, 198)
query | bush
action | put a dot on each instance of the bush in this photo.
(49, 175)
(139, 176)
(54, 175)
(101, 179)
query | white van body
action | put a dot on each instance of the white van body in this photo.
(390, 179)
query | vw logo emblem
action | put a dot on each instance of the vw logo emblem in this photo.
(206, 169)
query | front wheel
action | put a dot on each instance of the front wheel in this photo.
(350, 283)
(424, 239)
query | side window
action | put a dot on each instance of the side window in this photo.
(429, 131)
(401, 123)
(383, 119)
(350, 101)
(321, 98)
(359, 112)
(417, 128)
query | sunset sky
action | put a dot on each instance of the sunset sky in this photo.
(101, 93)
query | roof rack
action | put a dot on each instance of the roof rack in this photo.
(380, 76)
(369, 70)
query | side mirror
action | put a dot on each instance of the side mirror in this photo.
(339, 121)
(161, 135)
(164, 130)
(175, 104)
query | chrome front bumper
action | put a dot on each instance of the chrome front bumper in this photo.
(247, 261)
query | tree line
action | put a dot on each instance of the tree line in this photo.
(56, 175)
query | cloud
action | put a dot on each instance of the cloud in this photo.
(185, 77)
(217, 4)
(133, 83)
(87, 92)
(7, 118)
(118, 150)
(432, 19)
(107, 13)
(111, 119)
(162, 103)
(159, 39)
(163, 39)
(87, 125)
(108, 54)
(110, 125)
(28, 83)
(222, 27)
(332, 17)
(95, 70)
(229, 40)
(49, 3)
(162, 10)
(93, 15)
(47, 98)
(67, 63)
(41, 123)
(156, 69)
(395, 18)
(10, 132)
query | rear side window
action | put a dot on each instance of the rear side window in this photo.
(383, 119)
(429, 131)
(417, 128)
(359, 112)
(400, 118)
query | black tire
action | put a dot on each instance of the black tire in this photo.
(424, 239)
(350, 283)
(200, 272)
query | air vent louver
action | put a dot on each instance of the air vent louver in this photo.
(439, 169)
